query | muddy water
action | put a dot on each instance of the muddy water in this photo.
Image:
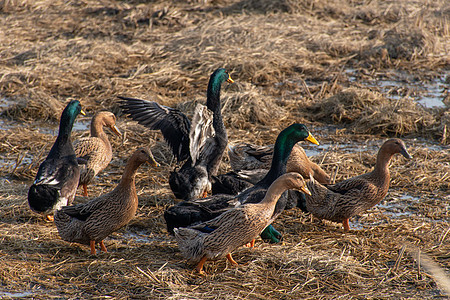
(396, 85)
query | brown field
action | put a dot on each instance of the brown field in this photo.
(353, 71)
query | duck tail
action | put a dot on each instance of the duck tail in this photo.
(70, 229)
(190, 242)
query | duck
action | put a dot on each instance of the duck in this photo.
(250, 164)
(339, 202)
(91, 222)
(217, 238)
(200, 144)
(187, 213)
(94, 153)
(57, 178)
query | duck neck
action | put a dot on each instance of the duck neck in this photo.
(63, 144)
(97, 131)
(221, 138)
(97, 126)
(282, 150)
(129, 175)
(213, 103)
(273, 194)
(381, 170)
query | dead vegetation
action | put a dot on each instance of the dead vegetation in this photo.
(289, 60)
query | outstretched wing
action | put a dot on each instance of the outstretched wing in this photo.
(174, 125)
(201, 130)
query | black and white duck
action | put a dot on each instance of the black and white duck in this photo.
(57, 179)
(200, 144)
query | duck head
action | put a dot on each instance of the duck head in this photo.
(109, 120)
(394, 146)
(216, 79)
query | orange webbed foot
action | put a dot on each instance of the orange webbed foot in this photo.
(102, 247)
(251, 244)
(231, 260)
(346, 225)
(85, 193)
(199, 267)
(92, 244)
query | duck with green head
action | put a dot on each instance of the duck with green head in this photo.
(57, 178)
(200, 144)
(189, 213)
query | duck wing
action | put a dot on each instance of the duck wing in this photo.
(87, 148)
(339, 201)
(245, 156)
(173, 124)
(201, 133)
(229, 219)
(83, 210)
(54, 172)
(354, 183)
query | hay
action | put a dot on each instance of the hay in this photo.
(370, 112)
(289, 61)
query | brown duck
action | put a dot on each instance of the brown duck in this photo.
(248, 157)
(94, 153)
(91, 222)
(339, 202)
(236, 227)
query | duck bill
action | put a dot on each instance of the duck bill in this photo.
(152, 162)
(82, 112)
(311, 139)
(405, 153)
(116, 130)
(305, 190)
(230, 80)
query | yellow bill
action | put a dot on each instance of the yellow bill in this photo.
(116, 130)
(311, 139)
(305, 190)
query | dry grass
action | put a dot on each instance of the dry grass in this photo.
(289, 61)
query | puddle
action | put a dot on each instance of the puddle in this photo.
(5, 103)
(372, 146)
(341, 147)
(15, 295)
(399, 205)
(396, 85)
(82, 124)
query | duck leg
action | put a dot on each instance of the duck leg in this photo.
(85, 193)
(200, 264)
(50, 218)
(251, 244)
(102, 246)
(92, 243)
(346, 225)
(231, 260)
